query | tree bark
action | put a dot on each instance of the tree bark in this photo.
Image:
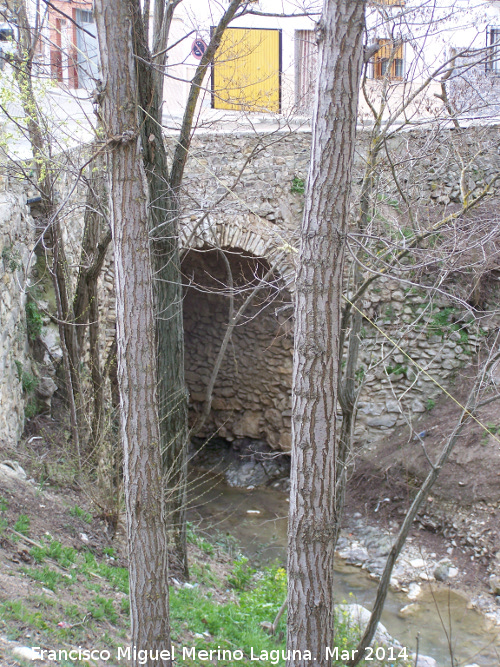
(164, 191)
(311, 543)
(135, 322)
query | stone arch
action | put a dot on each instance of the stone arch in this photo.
(252, 396)
(249, 232)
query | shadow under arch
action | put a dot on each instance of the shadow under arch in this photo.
(252, 393)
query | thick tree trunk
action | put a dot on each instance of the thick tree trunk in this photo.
(312, 522)
(163, 217)
(164, 191)
(136, 344)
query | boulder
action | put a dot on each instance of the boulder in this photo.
(495, 584)
(442, 570)
(45, 389)
(358, 616)
(356, 556)
(424, 661)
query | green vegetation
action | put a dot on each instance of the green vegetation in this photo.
(387, 199)
(237, 624)
(494, 429)
(360, 374)
(442, 324)
(22, 525)
(398, 369)
(91, 603)
(431, 403)
(15, 610)
(53, 549)
(389, 313)
(102, 608)
(28, 381)
(34, 320)
(241, 575)
(48, 577)
(298, 186)
(198, 540)
(4, 505)
(441, 321)
(78, 513)
(31, 409)
(11, 258)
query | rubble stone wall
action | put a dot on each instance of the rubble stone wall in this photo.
(242, 193)
(16, 245)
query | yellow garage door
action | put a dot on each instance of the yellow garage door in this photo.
(246, 70)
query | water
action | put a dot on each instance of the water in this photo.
(439, 617)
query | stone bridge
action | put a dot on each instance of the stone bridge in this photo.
(242, 204)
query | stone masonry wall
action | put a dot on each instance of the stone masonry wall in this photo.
(429, 165)
(252, 394)
(16, 244)
(259, 218)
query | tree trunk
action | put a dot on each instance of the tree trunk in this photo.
(311, 543)
(164, 191)
(163, 220)
(86, 304)
(136, 344)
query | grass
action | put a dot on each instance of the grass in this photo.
(235, 624)
(48, 577)
(241, 575)
(15, 610)
(65, 556)
(78, 513)
(22, 525)
(102, 608)
(89, 605)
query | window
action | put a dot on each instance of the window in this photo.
(493, 41)
(390, 54)
(246, 74)
(306, 58)
(87, 53)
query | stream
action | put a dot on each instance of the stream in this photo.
(258, 520)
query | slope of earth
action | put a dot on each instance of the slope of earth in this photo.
(463, 509)
(64, 581)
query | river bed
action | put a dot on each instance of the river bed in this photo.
(440, 617)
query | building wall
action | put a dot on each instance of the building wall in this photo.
(61, 48)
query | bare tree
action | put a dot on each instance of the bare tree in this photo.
(136, 343)
(317, 331)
